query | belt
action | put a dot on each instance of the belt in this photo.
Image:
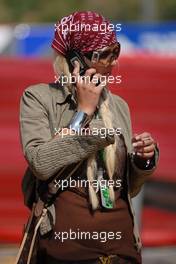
(113, 259)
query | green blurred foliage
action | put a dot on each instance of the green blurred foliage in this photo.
(167, 9)
(12, 11)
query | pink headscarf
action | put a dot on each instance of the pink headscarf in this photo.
(83, 31)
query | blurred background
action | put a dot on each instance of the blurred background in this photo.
(148, 68)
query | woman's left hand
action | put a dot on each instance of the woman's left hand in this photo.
(144, 145)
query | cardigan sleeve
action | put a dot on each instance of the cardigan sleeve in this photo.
(47, 155)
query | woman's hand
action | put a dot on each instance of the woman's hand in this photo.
(144, 145)
(88, 93)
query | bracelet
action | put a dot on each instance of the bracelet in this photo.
(79, 120)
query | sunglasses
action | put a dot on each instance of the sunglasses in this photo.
(106, 55)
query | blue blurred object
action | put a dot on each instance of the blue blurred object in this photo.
(156, 38)
(35, 40)
(37, 43)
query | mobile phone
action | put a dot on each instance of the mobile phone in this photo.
(73, 56)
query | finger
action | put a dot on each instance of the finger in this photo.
(91, 80)
(138, 144)
(100, 87)
(90, 72)
(137, 137)
(148, 141)
(96, 78)
(143, 136)
(145, 155)
(134, 137)
(143, 143)
(146, 149)
(76, 69)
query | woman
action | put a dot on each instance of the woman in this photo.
(61, 127)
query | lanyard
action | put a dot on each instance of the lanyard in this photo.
(103, 186)
(104, 190)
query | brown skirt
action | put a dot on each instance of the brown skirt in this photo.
(114, 259)
(73, 213)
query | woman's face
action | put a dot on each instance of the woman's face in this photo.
(107, 59)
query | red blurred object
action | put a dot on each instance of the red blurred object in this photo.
(148, 85)
(159, 228)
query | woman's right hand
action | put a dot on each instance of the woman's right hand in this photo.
(88, 93)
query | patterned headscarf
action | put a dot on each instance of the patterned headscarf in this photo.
(83, 31)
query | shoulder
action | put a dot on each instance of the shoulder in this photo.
(42, 92)
(37, 89)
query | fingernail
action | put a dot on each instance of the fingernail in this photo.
(139, 154)
(135, 144)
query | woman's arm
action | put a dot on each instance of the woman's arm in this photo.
(47, 155)
(138, 172)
